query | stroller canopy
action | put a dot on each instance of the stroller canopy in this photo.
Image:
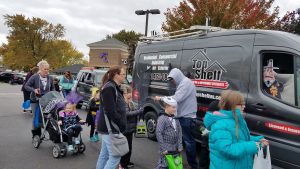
(50, 100)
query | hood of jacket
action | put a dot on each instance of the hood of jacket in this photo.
(177, 75)
(212, 117)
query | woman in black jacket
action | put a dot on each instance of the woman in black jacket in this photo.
(113, 106)
(131, 115)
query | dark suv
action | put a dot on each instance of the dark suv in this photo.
(88, 78)
(11, 78)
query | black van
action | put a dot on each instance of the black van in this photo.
(263, 65)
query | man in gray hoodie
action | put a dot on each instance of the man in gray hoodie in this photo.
(185, 96)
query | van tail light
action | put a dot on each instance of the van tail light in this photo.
(135, 93)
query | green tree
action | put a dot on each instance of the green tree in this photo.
(130, 38)
(236, 14)
(33, 39)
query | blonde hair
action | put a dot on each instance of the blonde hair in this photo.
(73, 106)
(95, 94)
(43, 64)
(125, 88)
(229, 100)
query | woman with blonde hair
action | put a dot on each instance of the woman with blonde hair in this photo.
(38, 85)
(231, 145)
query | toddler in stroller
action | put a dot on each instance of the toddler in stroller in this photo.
(70, 122)
(54, 111)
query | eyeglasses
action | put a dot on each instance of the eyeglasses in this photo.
(122, 74)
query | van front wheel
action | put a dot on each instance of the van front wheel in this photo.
(151, 120)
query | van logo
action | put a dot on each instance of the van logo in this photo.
(207, 73)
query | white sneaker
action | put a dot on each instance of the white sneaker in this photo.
(70, 148)
(77, 140)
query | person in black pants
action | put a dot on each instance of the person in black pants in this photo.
(131, 115)
(26, 94)
(204, 153)
(91, 116)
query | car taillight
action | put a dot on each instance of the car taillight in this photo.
(135, 93)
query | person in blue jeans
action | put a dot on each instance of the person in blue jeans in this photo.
(185, 95)
(114, 106)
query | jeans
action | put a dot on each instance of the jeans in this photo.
(106, 160)
(66, 92)
(189, 141)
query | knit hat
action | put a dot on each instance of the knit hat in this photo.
(169, 100)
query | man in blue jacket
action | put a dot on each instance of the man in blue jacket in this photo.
(185, 96)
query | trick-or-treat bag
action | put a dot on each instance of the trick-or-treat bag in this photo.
(174, 160)
(262, 160)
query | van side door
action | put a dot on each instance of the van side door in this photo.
(215, 64)
(273, 102)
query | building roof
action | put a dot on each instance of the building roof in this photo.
(73, 69)
(108, 43)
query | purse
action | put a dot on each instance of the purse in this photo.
(174, 160)
(119, 145)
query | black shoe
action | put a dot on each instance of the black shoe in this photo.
(130, 165)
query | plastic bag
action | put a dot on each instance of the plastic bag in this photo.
(262, 161)
(174, 160)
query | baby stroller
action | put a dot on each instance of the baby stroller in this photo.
(50, 104)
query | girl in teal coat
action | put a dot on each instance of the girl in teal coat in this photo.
(231, 145)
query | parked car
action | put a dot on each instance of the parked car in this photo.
(87, 79)
(11, 78)
(263, 65)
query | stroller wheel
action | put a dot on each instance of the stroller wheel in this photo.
(36, 141)
(81, 148)
(76, 149)
(56, 151)
(63, 150)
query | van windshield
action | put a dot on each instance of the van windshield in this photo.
(98, 77)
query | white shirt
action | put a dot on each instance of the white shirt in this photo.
(173, 122)
(44, 82)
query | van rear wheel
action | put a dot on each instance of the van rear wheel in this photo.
(151, 120)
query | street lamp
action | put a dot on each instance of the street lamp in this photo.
(146, 12)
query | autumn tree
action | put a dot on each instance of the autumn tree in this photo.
(235, 14)
(33, 39)
(130, 38)
(291, 22)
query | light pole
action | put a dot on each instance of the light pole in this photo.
(146, 12)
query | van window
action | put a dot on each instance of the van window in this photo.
(278, 76)
(298, 80)
(82, 77)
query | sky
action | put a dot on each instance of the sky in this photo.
(88, 21)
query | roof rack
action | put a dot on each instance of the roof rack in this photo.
(195, 30)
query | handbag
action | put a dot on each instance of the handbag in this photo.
(119, 145)
(174, 160)
(262, 161)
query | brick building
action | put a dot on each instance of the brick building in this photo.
(107, 53)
